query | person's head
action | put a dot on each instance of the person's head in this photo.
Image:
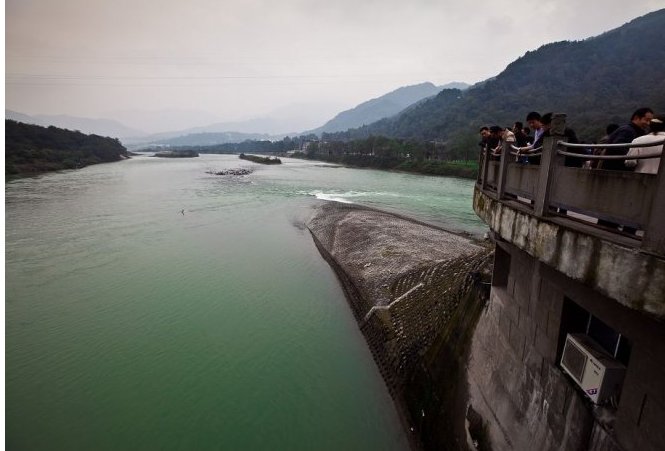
(484, 132)
(517, 127)
(611, 128)
(641, 117)
(533, 119)
(495, 131)
(657, 124)
(546, 121)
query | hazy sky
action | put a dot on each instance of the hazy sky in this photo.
(234, 59)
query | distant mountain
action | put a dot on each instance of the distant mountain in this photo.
(20, 117)
(455, 85)
(267, 125)
(209, 139)
(385, 106)
(101, 127)
(162, 120)
(595, 81)
(284, 121)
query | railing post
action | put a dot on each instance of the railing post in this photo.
(486, 164)
(503, 165)
(654, 233)
(548, 162)
(481, 166)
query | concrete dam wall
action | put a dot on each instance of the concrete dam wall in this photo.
(410, 289)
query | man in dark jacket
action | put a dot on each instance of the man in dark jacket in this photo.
(638, 126)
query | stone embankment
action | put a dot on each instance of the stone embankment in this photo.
(409, 286)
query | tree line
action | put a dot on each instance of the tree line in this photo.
(32, 149)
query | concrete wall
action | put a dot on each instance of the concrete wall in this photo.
(515, 382)
(628, 275)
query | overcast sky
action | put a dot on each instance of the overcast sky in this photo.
(235, 59)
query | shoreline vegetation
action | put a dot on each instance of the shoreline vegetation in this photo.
(177, 154)
(375, 152)
(259, 159)
(460, 168)
(32, 150)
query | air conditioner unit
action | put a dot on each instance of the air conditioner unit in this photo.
(595, 371)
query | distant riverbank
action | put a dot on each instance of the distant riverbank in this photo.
(463, 169)
(177, 154)
(260, 160)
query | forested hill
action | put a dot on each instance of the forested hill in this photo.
(31, 149)
(375, 109)
(595, 81)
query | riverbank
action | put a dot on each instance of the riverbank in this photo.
(462, 169)
(39, 168)
(259, 159)
(409, 287)
(177, 154)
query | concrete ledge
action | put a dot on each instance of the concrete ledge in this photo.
(632, 277)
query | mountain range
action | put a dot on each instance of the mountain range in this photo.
(103, 127)
(278, 124)
(382, 107)
(595, 81)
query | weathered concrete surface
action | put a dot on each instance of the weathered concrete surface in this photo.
(375, 248)
(634, 278)
(408, 285)
(526, 402)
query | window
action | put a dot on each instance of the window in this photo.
(501, 267)
(575, 319)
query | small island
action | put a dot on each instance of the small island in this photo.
(261, 160)
(240, 171)
(177, 154)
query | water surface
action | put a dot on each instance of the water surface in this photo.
(130, 325)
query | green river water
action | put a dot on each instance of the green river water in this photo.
(130, 325)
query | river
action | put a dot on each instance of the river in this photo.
(150, 305)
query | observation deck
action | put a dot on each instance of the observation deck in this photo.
(552, 212)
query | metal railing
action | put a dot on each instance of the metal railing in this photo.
(619, 200)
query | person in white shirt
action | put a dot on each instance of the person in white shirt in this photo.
(656, 133)
(535, 124)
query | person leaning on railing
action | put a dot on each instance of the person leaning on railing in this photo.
(638, 126)
(649, 165)
(532, 151)
(494, 142)
(648, 149)
(484, 134)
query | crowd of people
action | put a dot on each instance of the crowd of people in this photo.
(644, 128)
